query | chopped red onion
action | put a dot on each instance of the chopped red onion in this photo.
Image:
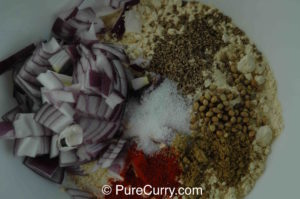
(113, 50)
(120, 70)
(91, 151)
(123, 3)
(88, 37)
(51, 47)
(75, 170)
(26, 126)
(137, 68)
(119, 26)
(73, 53)
(6, 130)
(118, 164)
(114, 115)
(44, 112)
(70, 138)
(65, 79)
(45, 167)
(90, 97)
(54, 151)
(92, 105)
(82, 154)
(86, 15)
(17, 58)
(140, 61)
(100, 82)
(68, 14)
(110, 154)
(34, 68)
(104, 63)
(11, 115)
(59, 60)
(140, 82)
(50, 80)
(95, 129)
(52, 118)
(63, 30)
(66, 109)
(102, 109)
(114, 99)
(129, 74)
(133, 22)
(31, 90)
(32, 146)
(68, 158)
(28, 77)
(54, 96)
(24, 101)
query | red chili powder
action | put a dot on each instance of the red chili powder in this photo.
(158, 170)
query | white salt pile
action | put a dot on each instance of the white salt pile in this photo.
(157, 118)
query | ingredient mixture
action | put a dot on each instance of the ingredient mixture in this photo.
(167, 93)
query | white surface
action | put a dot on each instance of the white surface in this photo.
(272, 24)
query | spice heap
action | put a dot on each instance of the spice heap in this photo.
(158, 170)
(181, 56)
(154, 117)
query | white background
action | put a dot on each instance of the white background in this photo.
(274, 25)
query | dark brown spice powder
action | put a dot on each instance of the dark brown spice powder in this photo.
(183, 57)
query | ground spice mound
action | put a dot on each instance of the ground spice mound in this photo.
(181, 56)
(158, 170)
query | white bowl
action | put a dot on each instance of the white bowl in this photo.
(272, 24)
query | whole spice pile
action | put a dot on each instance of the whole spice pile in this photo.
(183, 57)
(158, 170)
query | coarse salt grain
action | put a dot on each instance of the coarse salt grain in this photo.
(246, 64)
(260, 79)
(133, 22)
(264, 136)
(161, 114)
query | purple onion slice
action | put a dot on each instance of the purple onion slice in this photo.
(54, 151)
(60, 60)
(17, 58)
(75, 170)
(6, 130)
(32, 146)
(52, 118)
(45, 167)
(25, 126)
(50, 80)
(140, 82)
(10, 116)
(114, 99)
(69, 158)
(90, 152)
(110, 155)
